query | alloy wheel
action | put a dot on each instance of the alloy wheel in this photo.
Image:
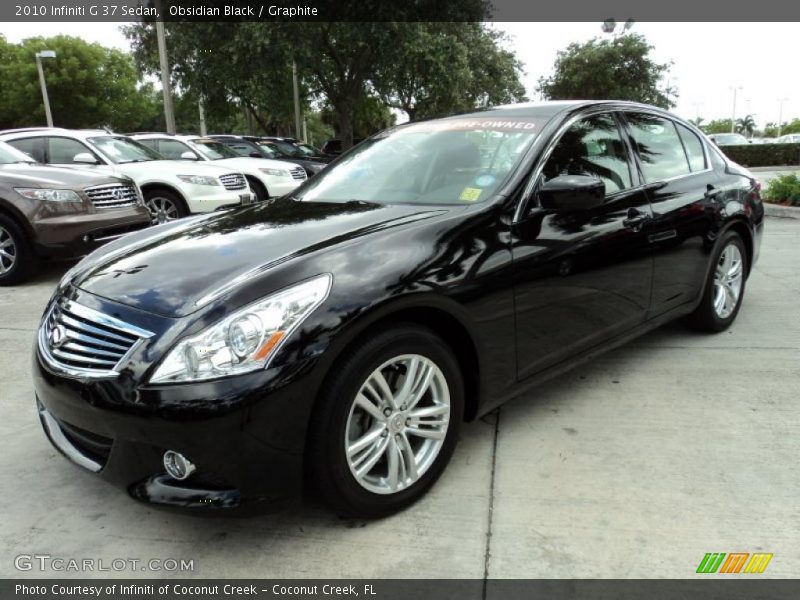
(8, 251)
(397, 424)
(162, 209)
(728, 278)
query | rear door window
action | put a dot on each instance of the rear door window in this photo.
(660, 149)
(693, 147)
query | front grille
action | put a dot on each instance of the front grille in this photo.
(113, 195)
(298, 173)
(82, 341)
(234, 181)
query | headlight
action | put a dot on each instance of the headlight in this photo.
(199, 179)
(276, 172)
(316, 167)
(49, 195)
(247, 339)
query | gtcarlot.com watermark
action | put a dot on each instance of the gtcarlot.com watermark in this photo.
(61, 564)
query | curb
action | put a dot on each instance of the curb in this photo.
(783, 212)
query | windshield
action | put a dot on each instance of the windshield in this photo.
(286, 148)
(214, 150)
(124, 150)
(307, 150)
(731, 138)
(270, 150)
(10, 155)
(453, 161)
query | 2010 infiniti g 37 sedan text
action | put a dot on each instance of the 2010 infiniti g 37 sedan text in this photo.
(338, 337)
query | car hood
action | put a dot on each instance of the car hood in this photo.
(149, 168)
(250, 164)
(178, 270)
(42, 176)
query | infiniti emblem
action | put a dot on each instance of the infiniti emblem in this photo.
(119, 194)
(57, 336)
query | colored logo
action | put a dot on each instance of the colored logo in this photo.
(734, 562)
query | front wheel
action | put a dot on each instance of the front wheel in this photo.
(724, 288)
(17, 262)
(164, 206)
(387, 422)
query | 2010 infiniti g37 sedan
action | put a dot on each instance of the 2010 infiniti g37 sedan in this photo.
(338, 337)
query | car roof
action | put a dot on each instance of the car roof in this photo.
(37, 131)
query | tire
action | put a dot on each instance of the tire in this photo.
(340, 421)
(258, 188)
(724, 289)
(17, 261)
(164, 206)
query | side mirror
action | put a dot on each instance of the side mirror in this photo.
(188, 156)
(255, 154)
(572, 193)
(84, 158)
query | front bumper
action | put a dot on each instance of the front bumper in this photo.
(204, 198)
(280, 186)
(247, 444)
(68, 236)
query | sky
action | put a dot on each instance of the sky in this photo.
(709, 59)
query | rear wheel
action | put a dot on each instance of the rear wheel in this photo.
(164, 206)
(725, 286)
(17, 261)
(387, 422)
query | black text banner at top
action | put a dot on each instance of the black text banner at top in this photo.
(396, 11)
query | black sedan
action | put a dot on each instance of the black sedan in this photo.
(341, 335)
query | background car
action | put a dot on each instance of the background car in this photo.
(59, 212)
(333, 147)
(764, 140)
(297, 149)
(246, 146)
(172, 189)
(728, 139)
(266, 178)
(789, 138)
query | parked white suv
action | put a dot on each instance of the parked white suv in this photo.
(267, 178)
(171, 189)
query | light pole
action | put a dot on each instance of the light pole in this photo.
(733, 114)
(39, 57)
(163, 59)
(780, 115)
(296, 97)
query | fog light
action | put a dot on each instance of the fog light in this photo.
(177, 465)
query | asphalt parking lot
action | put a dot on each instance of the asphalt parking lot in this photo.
(633, 466)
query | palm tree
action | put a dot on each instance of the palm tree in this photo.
(746, 125)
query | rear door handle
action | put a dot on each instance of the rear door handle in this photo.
(635, 219)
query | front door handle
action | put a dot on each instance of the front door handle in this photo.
(635, 219)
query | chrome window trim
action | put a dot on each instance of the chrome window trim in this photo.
(97, 317)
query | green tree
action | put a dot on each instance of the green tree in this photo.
(791, 127)
(717, 126)
(746, 125)
(88, 85)
(609, 69)
(340, 64)
(440, 68)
